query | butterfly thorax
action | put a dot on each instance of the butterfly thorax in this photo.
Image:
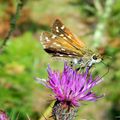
(88, 59)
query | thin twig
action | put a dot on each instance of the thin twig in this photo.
(12, 24)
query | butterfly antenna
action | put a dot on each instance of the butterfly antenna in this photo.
(108, 68)
(106, 56)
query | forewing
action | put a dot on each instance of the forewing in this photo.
(60, 30)
(58, 47)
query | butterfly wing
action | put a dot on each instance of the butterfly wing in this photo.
(61, 42)
(60, 30)
(59, 47)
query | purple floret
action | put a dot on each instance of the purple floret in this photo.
(72, 86)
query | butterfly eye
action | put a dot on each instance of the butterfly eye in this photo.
(94, 57)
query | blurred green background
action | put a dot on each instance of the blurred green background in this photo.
(23, 57)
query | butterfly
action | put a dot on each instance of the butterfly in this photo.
(62, 43)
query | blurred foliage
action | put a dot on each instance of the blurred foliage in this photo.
(16, 76)
(24, 58)
(114, 21)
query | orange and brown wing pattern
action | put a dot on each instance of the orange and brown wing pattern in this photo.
(59, 29)
(61, 42)
(58, 47)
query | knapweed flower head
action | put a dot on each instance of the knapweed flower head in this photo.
(71, 86)
(3, 115)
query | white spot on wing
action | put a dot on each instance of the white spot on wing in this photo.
(57, 30)
(60, 55)
(41, 36)
(74, 53)
(65, 38)
(56, 44)
(70, 55)
(47, 39)
(61, 35)
(56, 27)
(53, 36)
(62, 27)
(69, 37)
(62, 49)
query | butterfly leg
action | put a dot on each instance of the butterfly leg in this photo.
(71, 64)
(80, 64)
(83, 65)
(74, 64)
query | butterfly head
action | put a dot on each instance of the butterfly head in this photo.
(95, 58)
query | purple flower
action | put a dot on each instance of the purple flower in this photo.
(70, 86)
(3, 115)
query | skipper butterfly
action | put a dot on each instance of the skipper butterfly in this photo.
(62, 43)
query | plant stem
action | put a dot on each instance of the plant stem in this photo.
(12, 23)
(47, 112)
(103, 18)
